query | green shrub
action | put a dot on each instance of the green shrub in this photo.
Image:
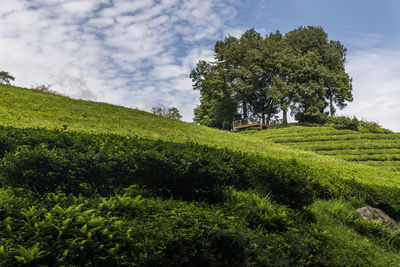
(65, 230)
(229, 247)
(343, 123)
(320, 118)
(372, 127)
(260, 211)
(39, 168)
(286, 180)
(87, 164)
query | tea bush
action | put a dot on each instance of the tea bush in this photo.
(61, 229)
(46, 161)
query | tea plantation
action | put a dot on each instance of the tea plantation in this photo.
(373, 149)
(92, 184)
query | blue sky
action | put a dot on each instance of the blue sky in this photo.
(138, 53)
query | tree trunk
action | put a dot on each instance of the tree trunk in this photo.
(268, 117)
(284, 119)
(244, 109)
(263, 118)
(332, 109)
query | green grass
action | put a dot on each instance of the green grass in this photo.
(26, 108)
(325, 233)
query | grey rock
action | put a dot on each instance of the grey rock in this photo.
(370, 213)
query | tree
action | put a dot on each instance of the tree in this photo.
(277, 63)
(5, 77)
(161, 110)
(338, 83)
(173, 113)
(231, 84)
(235, 58)
(328, 81)
(253, 76)
(218, 106)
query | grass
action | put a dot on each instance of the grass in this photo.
(318, 235)
(335, 177)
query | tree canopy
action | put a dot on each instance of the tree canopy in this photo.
(301, 71)
(162, 110)
(5, 77)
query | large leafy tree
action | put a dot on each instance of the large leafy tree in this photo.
(217, 103)
(326, 79)
(234, 59)
(278, 63)
(231, 84)
(337, 84)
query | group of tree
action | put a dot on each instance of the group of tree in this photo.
(162, 110)
(301, 71)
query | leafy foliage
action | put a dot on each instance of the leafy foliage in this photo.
(60, 229)
(5, 77)
(371, 127)
(302, 71)
(161, 110)
(111, 220)
(81, 163)
(121, 230)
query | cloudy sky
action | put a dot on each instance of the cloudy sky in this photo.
(138, 53)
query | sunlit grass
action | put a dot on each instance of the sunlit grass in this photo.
(27, 108)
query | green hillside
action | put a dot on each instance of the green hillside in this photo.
(85, 183)
(372, 149)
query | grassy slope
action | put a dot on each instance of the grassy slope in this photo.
(379, 150)
(24, 108)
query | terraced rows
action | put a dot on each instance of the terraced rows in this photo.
(377, 150)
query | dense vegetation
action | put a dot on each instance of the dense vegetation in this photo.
(301, 71)
(77, 163)
(107, 185)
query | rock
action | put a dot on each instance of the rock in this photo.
(370, 213)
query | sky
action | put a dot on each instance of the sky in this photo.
(138, 53)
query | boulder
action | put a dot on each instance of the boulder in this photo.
(370, 213)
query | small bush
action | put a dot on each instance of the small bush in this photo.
(343, 123)
(40, 169)
(286, 180)
(230, 248)
(260, 211)
(372, 127)
(45, 89)
(321, 118)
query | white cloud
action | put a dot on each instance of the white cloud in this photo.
(127, 52)
(376, 86)
(169, 71)
(78, 7)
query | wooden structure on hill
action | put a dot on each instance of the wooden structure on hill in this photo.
(248, 123)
